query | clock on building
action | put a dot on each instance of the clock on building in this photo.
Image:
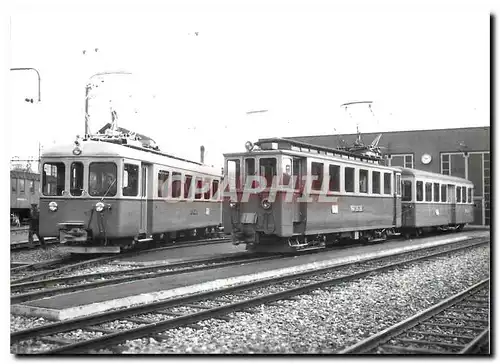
(426, 158)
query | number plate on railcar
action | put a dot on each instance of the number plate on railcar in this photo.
(248, 218)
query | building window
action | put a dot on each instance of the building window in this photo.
(420, 191)
(402, 160)
(406, 191)
(334, 172)
(375, 182)
(445, 164)
(316, 175)
(349, 179)
(363, 181)
(387, 183)
(436, 192)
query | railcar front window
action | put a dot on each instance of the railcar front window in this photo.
(267, 168)
(406, 191)
(286, 166)
(420, 191)
(102, 179)
(76, 179)
(233, 173)
(21, 185)
(130, 180)
(464, 194)
(363, 181)
(53, 179)
(349, 179)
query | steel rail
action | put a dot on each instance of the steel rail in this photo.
(160, 326)
(383, 336)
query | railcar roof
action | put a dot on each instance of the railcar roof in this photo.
(424, 174)
(336, 158)
(99, 149)
(23, 174)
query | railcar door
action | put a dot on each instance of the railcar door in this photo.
(143, 228)
(452, 200)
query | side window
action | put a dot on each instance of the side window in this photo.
(32, 186)
(199, 186)
(163, 183)
(334, 172)
(428, 191)
(436, 192)
(464, 194)
(206, 185)
(459, 194)
(398, 184)
(349, 179)
(215, 187)
(375, 182)
(176, 184)
(234, 172)
(187, 185)
(363, 181)
(406, 191)
(444, 193)
(387, 183)
(76, 179)
(22, 185)
(316, 175)
(469, 195)
(13, 184)
(420, 191)
(130, 179)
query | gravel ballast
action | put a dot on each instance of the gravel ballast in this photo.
(329, 320)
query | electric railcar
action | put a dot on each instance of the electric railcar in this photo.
(110, 193)
(288, 195)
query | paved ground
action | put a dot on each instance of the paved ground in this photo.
(148, 290)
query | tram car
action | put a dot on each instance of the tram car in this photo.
(432, 201)
(24, 191)
(112, 192)
(284, 195)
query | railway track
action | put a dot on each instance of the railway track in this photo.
(25, 245)
(21, 274)
(456, 325)
(150, 320)
(33, 290)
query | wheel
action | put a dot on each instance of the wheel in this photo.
(460, 227)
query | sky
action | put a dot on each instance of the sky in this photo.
(195, 74)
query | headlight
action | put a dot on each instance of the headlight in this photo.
(266, 205)
(53, 206)
(99, 206)
(77, 151)
(232, 204)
